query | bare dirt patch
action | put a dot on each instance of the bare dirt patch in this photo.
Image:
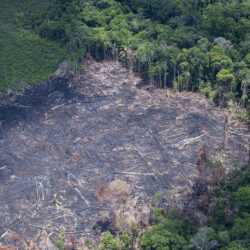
(88, 153)
(114, 191)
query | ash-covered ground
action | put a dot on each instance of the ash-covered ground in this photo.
(88, 153)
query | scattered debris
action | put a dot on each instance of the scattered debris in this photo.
(87, 153)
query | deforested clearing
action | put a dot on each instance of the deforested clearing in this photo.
(85, 152)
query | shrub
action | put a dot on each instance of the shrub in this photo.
(108, 242)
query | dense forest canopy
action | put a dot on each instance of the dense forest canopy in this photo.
(193, 45)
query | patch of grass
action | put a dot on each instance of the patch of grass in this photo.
(25, 58)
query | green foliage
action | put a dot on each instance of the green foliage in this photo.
(188, 45)
(232, 197)
(60, 244)
(167, 233)
(241, 227)
(238, 245)
(134, 230)
(224, 238)
(242, 116)
(242, 197)
(171, 230)
(159, 237)
(87, 243)
(173, 214)
(232, 231)
(126, 241)
(108, 242)
(157, 197)
(205, 88)
(219, 214)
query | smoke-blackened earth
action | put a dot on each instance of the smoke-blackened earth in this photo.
(88, 153)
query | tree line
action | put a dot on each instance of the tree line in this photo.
(192, 45)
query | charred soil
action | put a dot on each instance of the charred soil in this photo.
(87, 153)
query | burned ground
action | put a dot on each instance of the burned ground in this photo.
(86, 153)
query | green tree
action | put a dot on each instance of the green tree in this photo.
(108, 242)
(225, 85)
(242, 197)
